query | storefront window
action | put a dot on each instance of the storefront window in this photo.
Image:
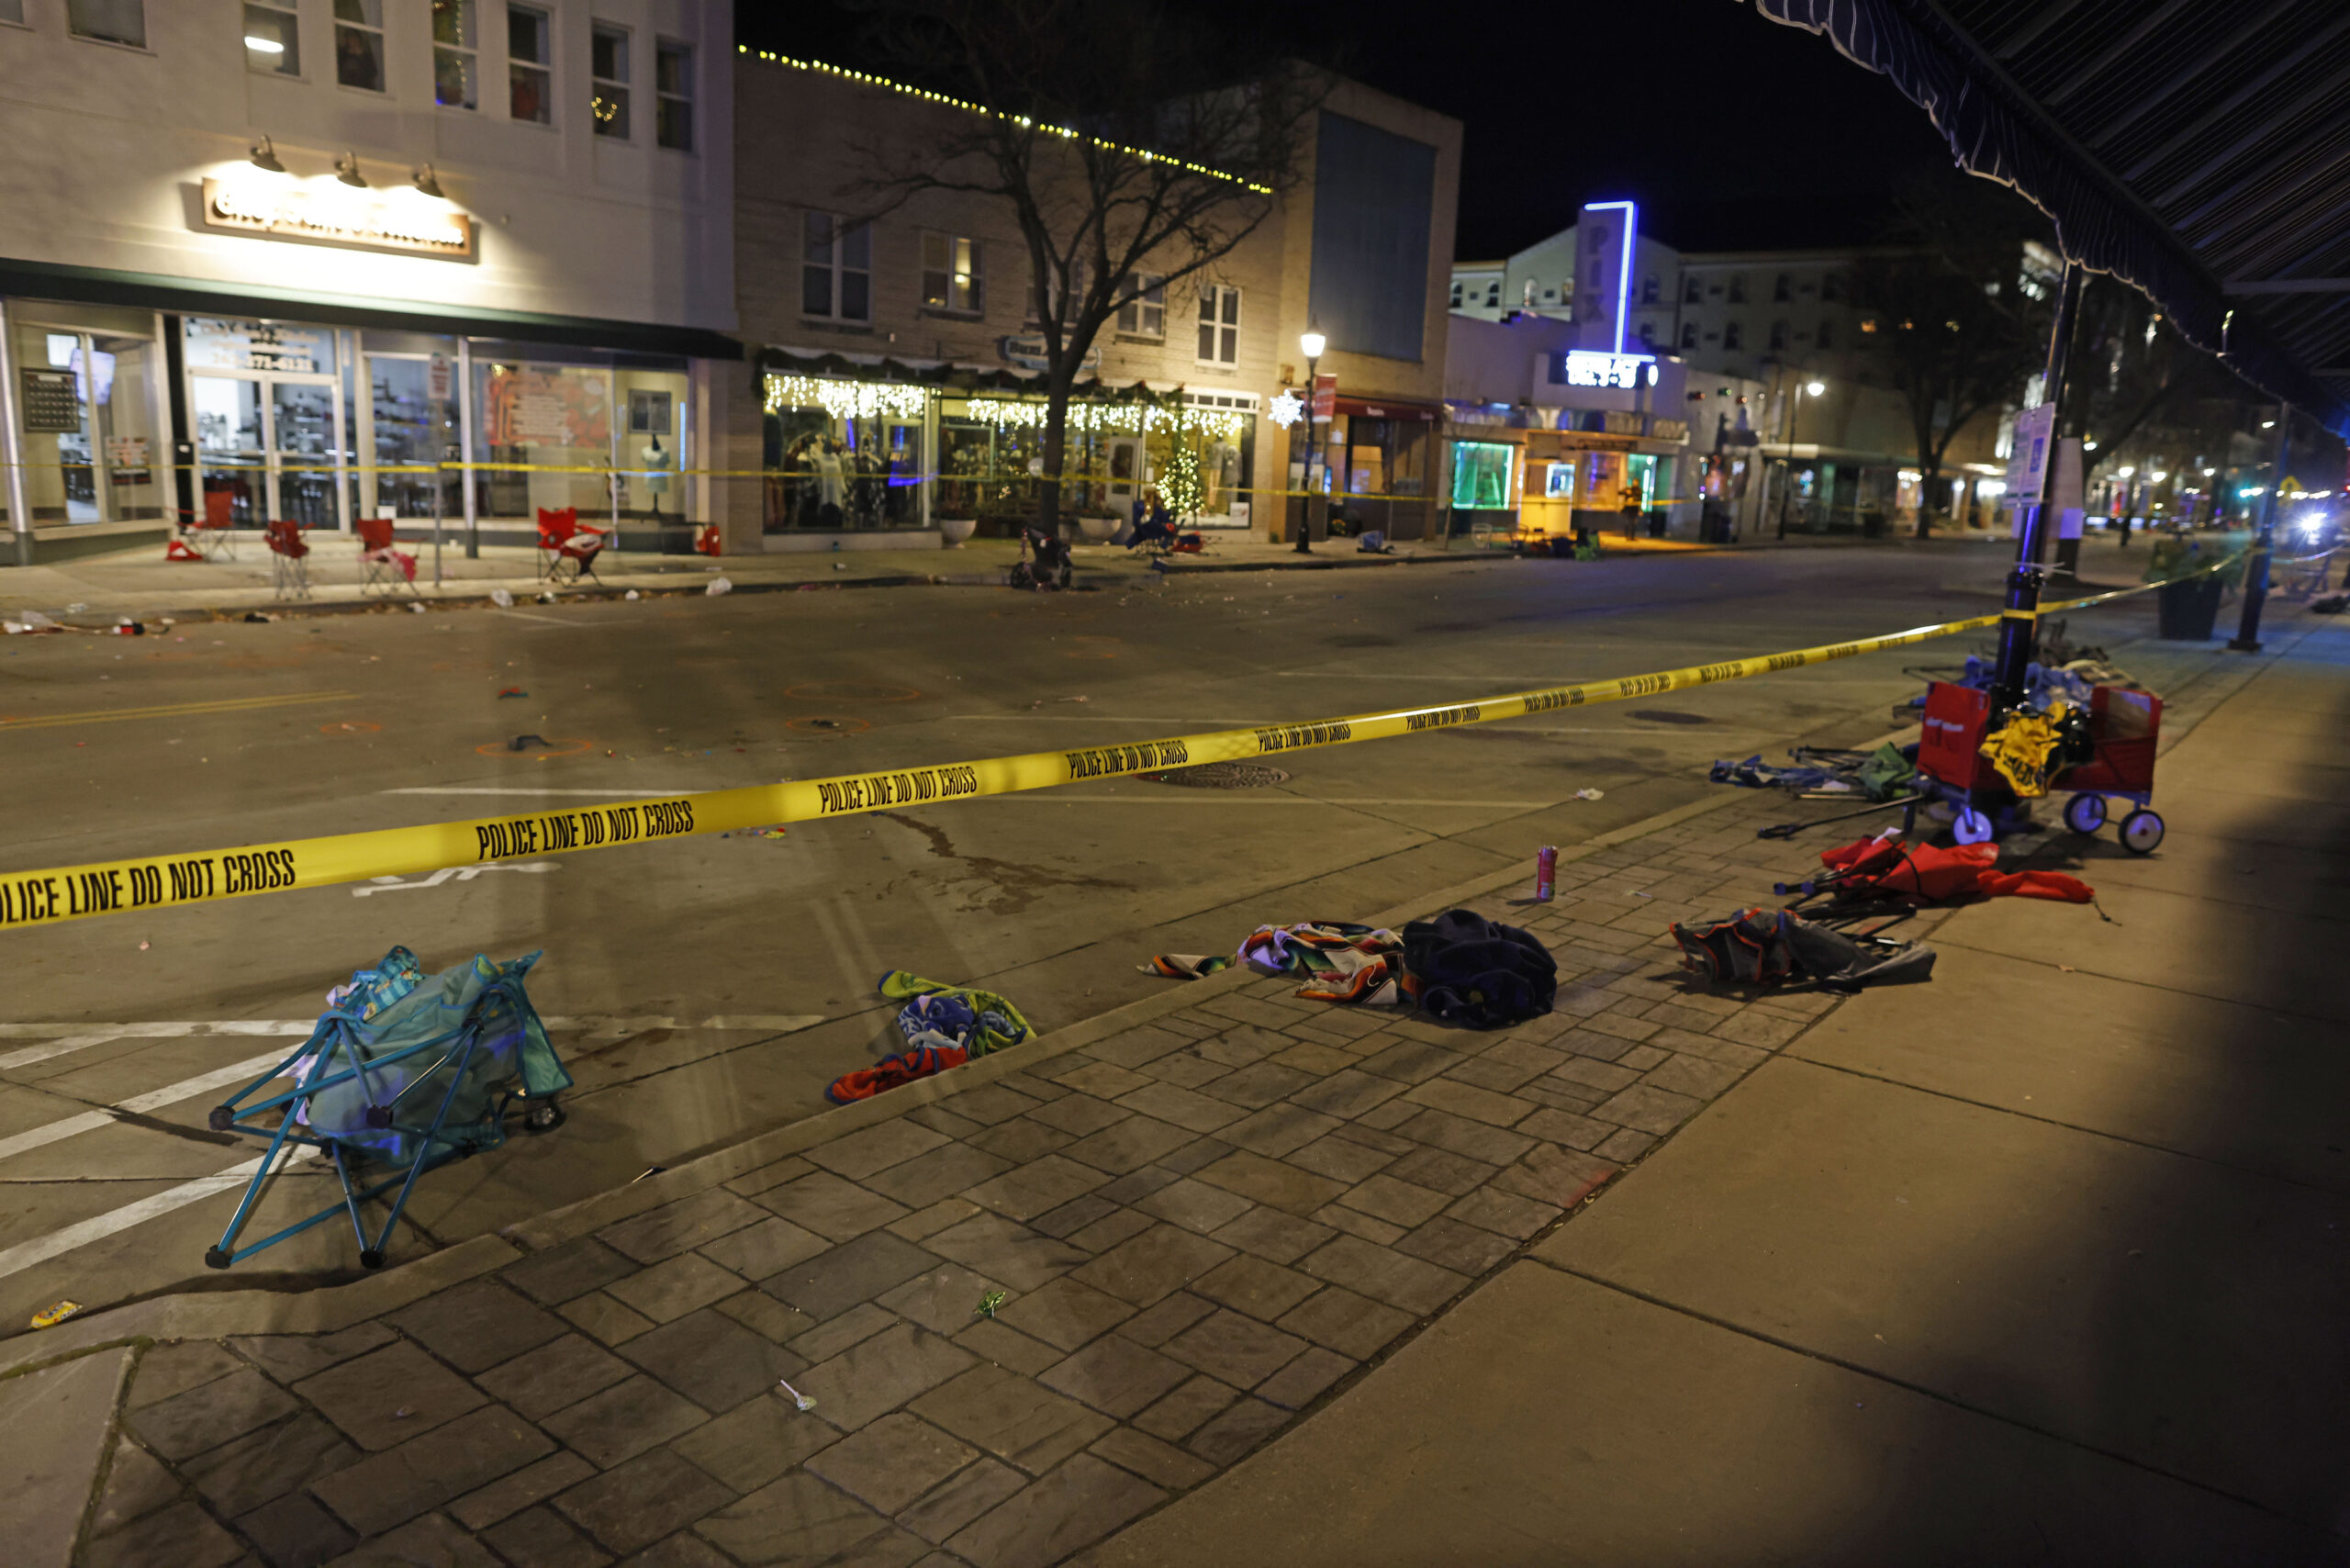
(1481, 476)
(547, 430)
(842, 455)
(412, 425)
(266, 400)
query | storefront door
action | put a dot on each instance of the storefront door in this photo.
(269, 420)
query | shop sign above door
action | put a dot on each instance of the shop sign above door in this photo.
(403, 222)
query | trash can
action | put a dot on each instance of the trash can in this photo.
(2186, 610)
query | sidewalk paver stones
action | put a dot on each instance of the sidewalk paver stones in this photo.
(1201, 1227)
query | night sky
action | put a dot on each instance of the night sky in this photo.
(1731, 132)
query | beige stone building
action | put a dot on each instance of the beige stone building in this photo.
(895, 362)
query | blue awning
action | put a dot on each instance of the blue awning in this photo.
(2197, 149)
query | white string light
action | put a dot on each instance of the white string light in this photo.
(1116, 419)
(845, 399)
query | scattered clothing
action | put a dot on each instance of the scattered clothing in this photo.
(1768, 948)
(1341, 962)
(1928, 873)
(1880, 775)
(1467, 969)
(943, 1025)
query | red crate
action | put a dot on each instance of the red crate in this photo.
(2124, 725)
(1950, 746)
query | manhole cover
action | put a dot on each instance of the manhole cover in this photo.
(1222, 776)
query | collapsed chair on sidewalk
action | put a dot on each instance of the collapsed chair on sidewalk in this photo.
(568, 546)
(403, 1072)
(290, 559)
(388, 568)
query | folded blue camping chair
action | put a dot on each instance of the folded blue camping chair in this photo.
(405, 1071)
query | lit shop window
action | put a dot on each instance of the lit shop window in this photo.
(109, 21)
(456, 39)
(608, 67)
(530, 94)
(1481, 474)
(272, 40)
(359, 44)
(673, 88)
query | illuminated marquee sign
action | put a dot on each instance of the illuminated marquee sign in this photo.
(405, 224)
(1585, 367)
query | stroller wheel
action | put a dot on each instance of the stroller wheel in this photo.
(2142, 833)
(2085, 814)
(1971, 827)
(543, 1117)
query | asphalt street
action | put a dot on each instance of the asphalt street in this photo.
(707, 988)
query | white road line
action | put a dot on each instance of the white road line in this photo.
(140, 1105)
(1175, 796)
(98, 1227)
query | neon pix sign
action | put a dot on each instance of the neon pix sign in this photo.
(403, 223)
(1588, 367)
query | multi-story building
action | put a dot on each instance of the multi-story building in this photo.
(899, 356)
(260, 258)
(1540, 281)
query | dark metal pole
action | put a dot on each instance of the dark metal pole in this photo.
(2020, 622)
(1314, 448)
(2255, 572)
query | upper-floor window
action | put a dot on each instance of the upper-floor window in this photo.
(1832, 287)
(1219, 324)
(359, 44)
(1738, 289)
(1493, 294)
(1144, 316)
(607, 65)
(272, 37)
(1692, 290)
(457, 42)
(1732, 336)
(1825, 339)
(1649, 289)
(951, 278)
(1647, 334)
(1688, 334)
(1782, 288)
(1778, 335)
(673, 88)
(1456, 294)
(529, 56)
(109, 21)
(835, 268)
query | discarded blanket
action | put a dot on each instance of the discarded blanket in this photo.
(1767, 947)
(943, 1025)
(1930, 873)
(1471, 970)
(1341, 962)
(1879, 775)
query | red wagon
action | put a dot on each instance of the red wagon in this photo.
(2125, 724)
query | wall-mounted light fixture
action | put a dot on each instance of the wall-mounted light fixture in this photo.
(264, 156)
(426, 182)
(346, 168)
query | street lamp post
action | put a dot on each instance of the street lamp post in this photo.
(1312, 343)
(1788, 463)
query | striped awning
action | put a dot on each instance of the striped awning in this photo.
(2197, 149)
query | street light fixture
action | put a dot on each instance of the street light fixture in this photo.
(1788, 463)
(1310, 343)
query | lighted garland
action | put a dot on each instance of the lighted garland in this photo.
(1179, 482)
(1111, 419)
(872, 81)
(845, 399)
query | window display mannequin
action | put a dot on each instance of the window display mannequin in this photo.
(657, 463)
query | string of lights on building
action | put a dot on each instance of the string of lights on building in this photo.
(869, 80)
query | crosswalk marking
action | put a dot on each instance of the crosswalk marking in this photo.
(98, 1227)
(140, 1105)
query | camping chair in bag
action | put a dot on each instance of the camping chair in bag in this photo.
(568, 546)
(405, 1071)
(387, 568)
(290, 559)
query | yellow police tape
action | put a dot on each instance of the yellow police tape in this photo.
(169, 882)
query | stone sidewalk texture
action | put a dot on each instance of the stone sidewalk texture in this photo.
(2041, 1263)
(1202, 1227)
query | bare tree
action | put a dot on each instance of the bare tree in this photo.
(1960, 324)
(1116, 134)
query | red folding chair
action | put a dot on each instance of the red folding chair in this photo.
(213, 535)
(387, 569)
(568, 546)
(289, 558)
